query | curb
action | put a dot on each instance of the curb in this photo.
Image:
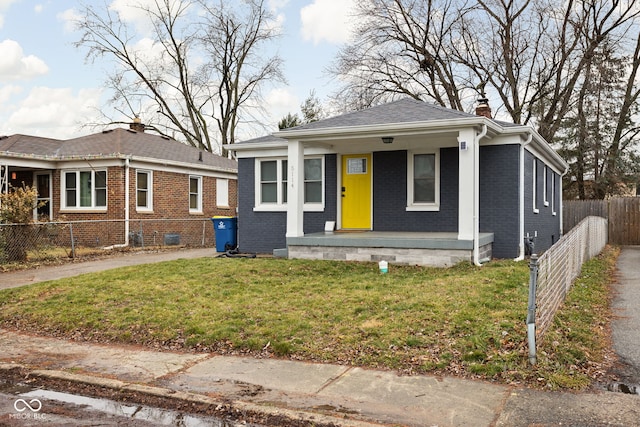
(314, 419)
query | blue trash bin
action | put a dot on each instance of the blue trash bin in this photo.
(226, 229)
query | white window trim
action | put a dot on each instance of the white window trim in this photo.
(149, 207)
(48, 198)
(553, 194)
(426, 207)
(222, 192)
(78, 208)
(198, 209)
(544, 186)
(280, 206)
(535, 186)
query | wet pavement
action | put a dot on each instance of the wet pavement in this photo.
(325, 394)
(626, 309)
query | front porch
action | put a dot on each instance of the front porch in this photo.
(439, 249)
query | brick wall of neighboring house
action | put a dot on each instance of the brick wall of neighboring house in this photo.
(167, 219)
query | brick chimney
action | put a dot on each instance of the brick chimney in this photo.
(137, 125)
(483, 108)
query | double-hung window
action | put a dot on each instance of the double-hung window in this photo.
(144, 190)
(222, 193)
(84, 189)
(313, 181)
(423, 182)
(195, 194)
(272, 180)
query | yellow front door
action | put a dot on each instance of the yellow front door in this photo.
(356, 191)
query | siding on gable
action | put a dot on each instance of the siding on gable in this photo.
(262, 232)
(390, 194)
(500, 197)
(544, 222)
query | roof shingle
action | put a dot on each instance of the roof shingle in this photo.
(115, 143)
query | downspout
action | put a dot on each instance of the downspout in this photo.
(560, 197)
(126, 207)
(521, 201)
(476, 197)
(126, 201)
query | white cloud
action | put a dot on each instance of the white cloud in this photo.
(38, 8)
(14, 65)
(69, 17)
(136, 12)
(327, 20)
(281, 101)
(277, 4)
(4, 6)
(53, 112)
(6, 93)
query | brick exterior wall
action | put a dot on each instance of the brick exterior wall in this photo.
(390, 194)
(544, 222)
(170, 201)
(500, 197)
(262, 232)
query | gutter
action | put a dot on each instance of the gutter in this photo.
(476, 197)
(526, 142)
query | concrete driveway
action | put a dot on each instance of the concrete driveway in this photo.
(14, 279)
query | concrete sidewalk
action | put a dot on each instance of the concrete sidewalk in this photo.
(320, 393)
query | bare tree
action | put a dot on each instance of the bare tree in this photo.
(191, 46)
(531, 55)
(401, 47)
(599, 136)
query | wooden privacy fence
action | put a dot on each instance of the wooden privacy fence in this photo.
(623, 214)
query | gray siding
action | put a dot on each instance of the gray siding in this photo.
(262, 232)
(390, 194)
(544, 222)
(500, 198)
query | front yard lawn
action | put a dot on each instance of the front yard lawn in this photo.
(465, 320)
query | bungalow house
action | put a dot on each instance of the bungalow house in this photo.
(122, 177)
(407, 182)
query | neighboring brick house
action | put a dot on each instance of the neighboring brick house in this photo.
(121, 175)
(405, 182)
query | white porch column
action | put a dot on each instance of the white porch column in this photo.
(466, 183)
(295, 189)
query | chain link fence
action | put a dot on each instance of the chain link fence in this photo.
(553, 273)
(45, 240)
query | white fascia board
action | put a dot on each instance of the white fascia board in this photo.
(27, 162)
(280, 151)
(87, 162)
(180, 167)
(391, 129)
(541, 149)
(255, 146)
(83, 162)
(275, 152)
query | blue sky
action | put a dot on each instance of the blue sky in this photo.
(47, 89)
